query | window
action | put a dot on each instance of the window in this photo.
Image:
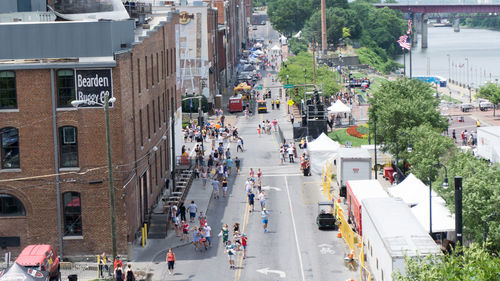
(65, 87)
(168, 65)
(140, 125)
(156, 169)
(149, 126)
(139, 74)
(162, 65)
(159, 113)
(72, 213)
(161, 162)
(157, 69)
(146, 71)
(8, 99)
(154, 117)
(152, 72)
(9, 142)
(68, 147)
(10, 206)
(165, 107)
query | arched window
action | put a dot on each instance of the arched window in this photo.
(11, 206)
(72, 213)
(68, 147)
(8, 95)
(9, 143)
(65, 87)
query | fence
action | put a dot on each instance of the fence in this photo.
(327, 179)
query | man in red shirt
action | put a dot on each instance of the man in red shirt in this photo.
(118, 262)
(244, 239)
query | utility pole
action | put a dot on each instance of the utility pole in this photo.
(314, 60)
(324, 44)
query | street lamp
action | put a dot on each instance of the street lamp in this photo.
(287, 78)
(445, 186)
(106, 102)
(449, 67)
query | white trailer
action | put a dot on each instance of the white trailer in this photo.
(352, 164)
(391, 232)
(488, 143)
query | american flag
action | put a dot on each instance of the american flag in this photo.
(409, 26)
(404, 42)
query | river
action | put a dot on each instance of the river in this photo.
(449, 51)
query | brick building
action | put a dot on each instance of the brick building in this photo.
(53, 175)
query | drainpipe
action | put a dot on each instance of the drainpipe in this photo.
(56, 164)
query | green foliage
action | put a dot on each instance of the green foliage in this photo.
(342, 137)
(428, 149)
(337, 20)
(297, 45)
(401, 105)
(295, 70)
(490, 92)
(480, 195)
(379, 60)
(288, 16)
(491, 22)
(474, 263)
(258, 3)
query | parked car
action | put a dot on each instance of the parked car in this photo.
(41, 257)
(483, 106)
(466, 107)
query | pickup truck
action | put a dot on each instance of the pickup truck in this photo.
(41, 257)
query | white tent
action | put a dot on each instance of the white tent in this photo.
(338, 107)
(258, 52)
(276, 48)
(320, 150)
(413, 191)
(442, 220)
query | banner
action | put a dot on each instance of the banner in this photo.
(92, 85)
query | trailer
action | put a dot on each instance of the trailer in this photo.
(390, 233)
(488, 143)
(352, 164)
(356, 192)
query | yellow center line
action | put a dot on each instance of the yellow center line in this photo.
(239, 260)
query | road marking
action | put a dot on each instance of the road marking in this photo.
(295, 230)
(281, 175)
(326, 249)
(267, 270)
(271, 188)
(239, 259)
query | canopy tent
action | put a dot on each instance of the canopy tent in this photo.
(338, 107)
(242, 86)
(442, 219)
(413, 191)
(18, 272)
(258, 52)
(320, 150)
(276, 48)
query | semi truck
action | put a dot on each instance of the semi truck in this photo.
(352, 164)
(357, 191)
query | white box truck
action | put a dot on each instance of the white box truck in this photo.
(488, 143)
(391, 232)
(352, 164)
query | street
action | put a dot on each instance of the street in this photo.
(293, 248)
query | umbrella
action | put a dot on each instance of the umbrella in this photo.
(18, 272)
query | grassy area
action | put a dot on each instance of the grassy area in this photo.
(448, 98)
(342, 137)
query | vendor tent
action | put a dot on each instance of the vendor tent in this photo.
(442, 220)
(258, 52)
(276, 48)
(338, 107)
(320, 150)
(413, 191)
(18, 272)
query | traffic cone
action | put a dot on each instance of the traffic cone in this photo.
(338, 200)
(339, 234)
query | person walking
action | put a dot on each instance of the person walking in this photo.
(229, 165)
(119, 273)
(454, 136)
(244, 241)
(262, 199)
(207, 233)
(240, 145)
(265, 218)
(251, 200)
(224, 187)
(102, 262)
(292, 118)
(185, 231)
(230, 254)
(170, 261)
(196, 238)
(182, 211)
(237, 163)
(129, 275)
(173, 212)
(224, 233)
(204, 176)
(290, 154)
(193, 209)
(215, 186)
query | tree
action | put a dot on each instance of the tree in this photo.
(473, 263)
(401, 105)
(336, 20)
(297, 45)
(490, 92)
(288, 16)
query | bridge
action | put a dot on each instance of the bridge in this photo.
(419, 14)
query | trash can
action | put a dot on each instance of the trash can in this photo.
(73, 277)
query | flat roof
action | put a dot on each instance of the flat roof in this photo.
(83, 62)
(353, 153)
(398, 228)
(363, 189)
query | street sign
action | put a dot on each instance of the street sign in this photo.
(288, 86)
(290, 102)
(259, 87)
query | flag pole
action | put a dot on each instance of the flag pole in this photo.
(404, 62)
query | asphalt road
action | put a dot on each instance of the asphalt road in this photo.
(293, 248)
